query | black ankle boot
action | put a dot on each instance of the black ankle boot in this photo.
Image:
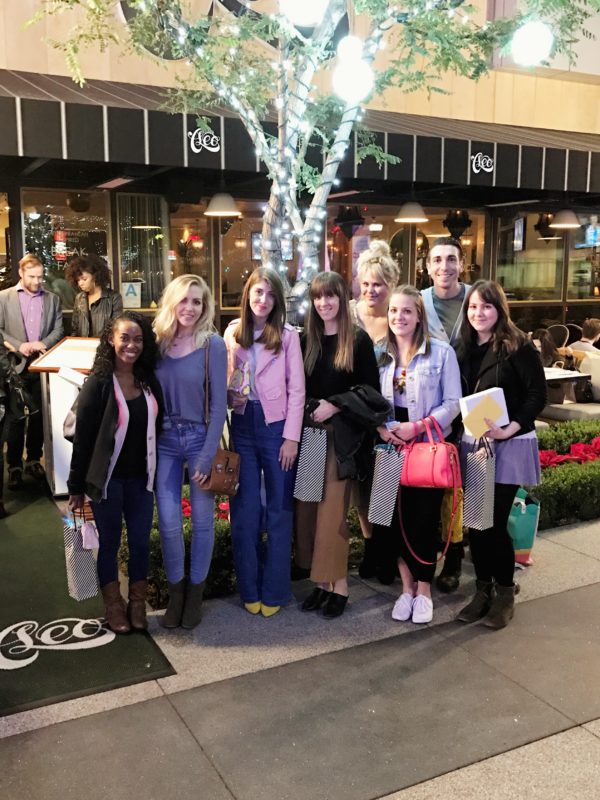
(503, 607)
(174, 612)
(449, 578)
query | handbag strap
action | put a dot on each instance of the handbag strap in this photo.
(448, 538)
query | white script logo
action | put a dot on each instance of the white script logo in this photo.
(206, 140)
(20, 643)
(480, 162)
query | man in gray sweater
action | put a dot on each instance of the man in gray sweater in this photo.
(444, 304)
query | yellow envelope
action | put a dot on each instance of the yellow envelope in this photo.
(488, 408)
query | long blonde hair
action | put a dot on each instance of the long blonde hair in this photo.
(421, 333)
(165, 322)
(332, 285)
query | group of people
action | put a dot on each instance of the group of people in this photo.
(376, 370)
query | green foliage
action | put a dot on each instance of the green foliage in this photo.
(560, 437)
(568, 493)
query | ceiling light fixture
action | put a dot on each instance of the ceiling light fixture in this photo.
(222, 204)
(565, 220)
(412, 213)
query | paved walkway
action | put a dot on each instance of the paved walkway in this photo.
(350, 709)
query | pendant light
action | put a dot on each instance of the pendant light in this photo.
(565, 220)
(222, 204)
(412, 213)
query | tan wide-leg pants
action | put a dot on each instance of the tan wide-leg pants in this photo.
(322, 533)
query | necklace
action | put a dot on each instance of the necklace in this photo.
(400, 381)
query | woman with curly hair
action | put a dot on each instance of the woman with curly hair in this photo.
(96, 303)
(114, 459)
(188, 344)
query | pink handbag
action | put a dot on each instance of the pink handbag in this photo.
(431, 464)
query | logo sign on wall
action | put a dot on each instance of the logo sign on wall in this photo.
(204, 140)
(481, 162)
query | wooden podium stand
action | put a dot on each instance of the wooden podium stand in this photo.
(58, 395)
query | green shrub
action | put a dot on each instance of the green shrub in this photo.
(568, 493)
(561, 436)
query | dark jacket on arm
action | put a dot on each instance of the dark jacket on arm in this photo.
(520, 375)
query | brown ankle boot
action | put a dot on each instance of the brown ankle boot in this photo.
(114, 608)
(136, 610)
(503, 607)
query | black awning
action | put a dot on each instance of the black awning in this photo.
(45, 116)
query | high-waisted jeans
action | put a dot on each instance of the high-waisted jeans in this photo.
(182, 444)
(125, 498)
(262, 566)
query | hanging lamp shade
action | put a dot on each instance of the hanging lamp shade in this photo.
(412, 212)
(222, 205)
(565, 220)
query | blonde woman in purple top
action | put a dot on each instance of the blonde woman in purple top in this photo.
(188, 341)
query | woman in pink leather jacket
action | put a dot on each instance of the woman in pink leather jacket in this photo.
(266, 393)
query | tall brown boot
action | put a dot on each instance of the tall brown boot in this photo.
(502, 609)
(114, 608)
(136, 610)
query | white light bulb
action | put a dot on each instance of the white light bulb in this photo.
(350, 48)
(305, 13)
(532, 44)
(353, 82)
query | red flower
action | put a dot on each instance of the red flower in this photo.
(186, 507)
(223, 510)
(584, 452)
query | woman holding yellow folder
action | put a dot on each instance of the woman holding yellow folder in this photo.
(493, 352)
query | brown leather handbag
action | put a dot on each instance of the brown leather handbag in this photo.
(225, 468)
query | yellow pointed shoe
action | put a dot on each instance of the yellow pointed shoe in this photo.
(268, 611)
(252, 608)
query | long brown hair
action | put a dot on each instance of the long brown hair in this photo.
(272, 334)
(421, 333)
(506, 337)
(332, 285)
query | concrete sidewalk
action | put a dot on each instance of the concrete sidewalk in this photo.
(357, 708)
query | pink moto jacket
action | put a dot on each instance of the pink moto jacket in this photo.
(278, 380)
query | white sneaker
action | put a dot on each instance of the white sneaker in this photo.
(422, 610)
(403, 608)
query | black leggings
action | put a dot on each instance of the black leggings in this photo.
(421, 518)
(492, 550)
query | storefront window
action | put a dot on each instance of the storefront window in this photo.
(528, 318)
(241, 252)
(584, 260)
(530, 259)
(191, 243)
(58, 225)
(143, 249)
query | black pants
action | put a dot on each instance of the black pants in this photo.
(492, 550)
(420, 518)
(15, 436)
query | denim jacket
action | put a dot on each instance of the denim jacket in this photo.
(279, 380)
(433, 386)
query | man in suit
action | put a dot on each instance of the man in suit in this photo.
(31, 322)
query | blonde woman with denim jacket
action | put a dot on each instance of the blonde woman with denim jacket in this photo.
(420, 379)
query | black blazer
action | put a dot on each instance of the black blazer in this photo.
(520, 375)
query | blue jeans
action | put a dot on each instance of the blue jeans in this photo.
(182, 444)
(262, 567)
(129, 498)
